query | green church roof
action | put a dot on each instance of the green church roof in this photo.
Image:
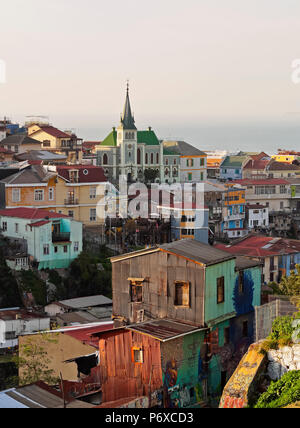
(147, 137)
(110, 140)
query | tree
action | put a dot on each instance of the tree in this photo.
(33, 360)
(151, 175)
(290, 286)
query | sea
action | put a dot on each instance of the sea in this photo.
(229, 135)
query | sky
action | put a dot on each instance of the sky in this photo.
(187, 62)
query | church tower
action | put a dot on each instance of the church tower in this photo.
(127, 140)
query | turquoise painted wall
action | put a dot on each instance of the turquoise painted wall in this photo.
(183, 373)
(212, 309)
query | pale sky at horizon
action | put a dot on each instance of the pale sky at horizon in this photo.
(69, 59)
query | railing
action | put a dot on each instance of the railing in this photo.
(61, 236)
(71, 201)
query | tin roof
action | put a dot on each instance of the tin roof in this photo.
(196, 251)
(84, 302)
(164, 329)
(188, 248)
(36, 396)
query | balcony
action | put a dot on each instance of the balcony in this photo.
(240, 216)
(61, 237)
(71, 201)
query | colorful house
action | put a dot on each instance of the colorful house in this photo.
(278, 255)
(232, 166)
(31, 187)
(234, 212)
(74, 191)
(61, 142)
(51, 240)
(199, 302)
(193, 162)
(79, 190)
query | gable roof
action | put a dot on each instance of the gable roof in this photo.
(51, 130)
(183, 148)
(30, 175)
(236, 161)
(86, 173)
(148, 137)
(30, 213)
(18, 139)
(189, 249)
(110, 140)
(282, 166)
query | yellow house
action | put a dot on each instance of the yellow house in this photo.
(79, 190)
(53, 139)
(286, 156)
(32, 187)
(74, 191)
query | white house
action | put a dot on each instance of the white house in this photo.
(257, 216)
(15, 322)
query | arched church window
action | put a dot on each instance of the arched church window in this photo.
(157, 158)
(105, 159)
(152, 159)
(146, 158)
(139, 156)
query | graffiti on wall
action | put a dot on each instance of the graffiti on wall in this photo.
(243, 293)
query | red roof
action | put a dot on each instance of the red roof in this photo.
(84, 335)
(30, 213)
(40, 223)
(261, 246)
(53, 131)
(86, 173)
(6, 151)
(90, 144)
(261, 182)
(256, 164)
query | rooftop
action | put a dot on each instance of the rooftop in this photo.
(85, 302)
(182, 148)
(30, 213)
(261, 246)
(190, 249)
(164, 329)
(17, 313)
(86, 173)
(54, 132)
(261, 182)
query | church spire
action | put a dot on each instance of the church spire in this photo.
(127, 119)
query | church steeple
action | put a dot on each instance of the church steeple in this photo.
(127, 119)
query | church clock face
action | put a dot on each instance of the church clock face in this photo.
(130, 146)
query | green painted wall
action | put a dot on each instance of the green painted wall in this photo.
(212, 309)
(182, 368)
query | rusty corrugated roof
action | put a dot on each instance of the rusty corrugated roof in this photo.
(164, 329)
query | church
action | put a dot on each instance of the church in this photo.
(139, 155)
(142, 157)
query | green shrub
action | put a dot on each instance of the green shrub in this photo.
(281, 393)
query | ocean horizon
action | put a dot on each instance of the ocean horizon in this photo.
(268, 136)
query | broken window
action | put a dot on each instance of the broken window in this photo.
(220, 290)
(137, 355)
(182, 294)
(136, 290)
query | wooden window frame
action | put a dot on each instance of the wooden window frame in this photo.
(220, 290)
(140, 349)
(185, 303)
(134, 285)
